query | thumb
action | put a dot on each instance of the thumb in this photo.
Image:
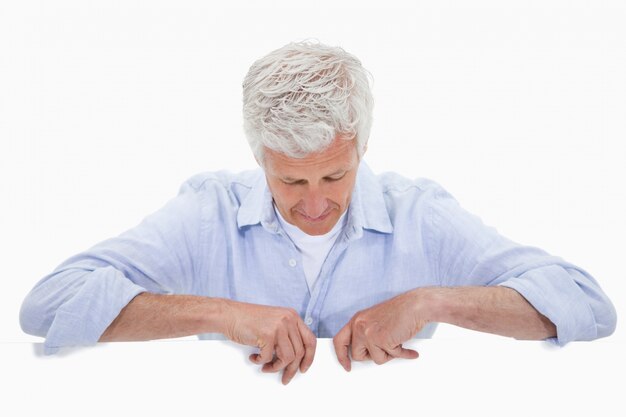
(403, 353)
(342, 342)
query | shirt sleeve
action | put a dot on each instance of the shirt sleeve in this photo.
(75, 303)
(468, 252)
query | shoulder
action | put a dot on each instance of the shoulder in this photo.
(225, 179)
(223, 184)
(419, 200)
(396, 187)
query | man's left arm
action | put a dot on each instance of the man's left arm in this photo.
(469, 253)
(488, 283)
(498, 310)
(377, 333)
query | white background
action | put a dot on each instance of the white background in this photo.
(474, 377)
(107, 107)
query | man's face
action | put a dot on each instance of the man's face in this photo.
(313, 192)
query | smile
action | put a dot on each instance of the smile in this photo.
(316, 219)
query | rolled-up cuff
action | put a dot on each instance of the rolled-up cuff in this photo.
(82, 319)
(553, 293)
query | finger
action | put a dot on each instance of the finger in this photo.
(309, 342)
(266, 354)
(401, 352)
(360, 351)
(292, 368)
(275, 362)
(378, 355)
(342, 341)
(284, 353)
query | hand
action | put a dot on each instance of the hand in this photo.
(281, 335)
(378, 332)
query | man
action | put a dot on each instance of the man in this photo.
(313, 244)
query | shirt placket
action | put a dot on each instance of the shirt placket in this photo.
(320, 288)
(293, 261)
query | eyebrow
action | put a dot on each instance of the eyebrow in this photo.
(339, 171)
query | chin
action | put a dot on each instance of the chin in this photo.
(317, 229)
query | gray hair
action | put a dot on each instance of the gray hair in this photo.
(298, 98)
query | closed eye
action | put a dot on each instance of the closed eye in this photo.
(330, 179)
(303, 182)
(298, 182)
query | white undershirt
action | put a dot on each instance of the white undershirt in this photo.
(314, 249)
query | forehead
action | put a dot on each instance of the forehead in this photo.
(341, 154)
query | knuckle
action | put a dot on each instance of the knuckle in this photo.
(357, 355)
(299, 354)
(369, 331)
(360, 324)
(286, 318)
(289, 357)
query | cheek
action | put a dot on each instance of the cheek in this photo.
(341, 193)
(286, 196)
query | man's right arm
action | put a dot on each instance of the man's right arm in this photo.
(275, 330)
(122, 289)
(151, 316)
(75, 303)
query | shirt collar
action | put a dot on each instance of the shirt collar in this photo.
(256, 206)
(367, 207)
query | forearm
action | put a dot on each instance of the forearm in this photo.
(154, 316)
(497, 310)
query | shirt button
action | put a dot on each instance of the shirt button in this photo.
(308, 321)
(292, 262)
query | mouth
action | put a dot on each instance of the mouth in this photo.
(315, 220)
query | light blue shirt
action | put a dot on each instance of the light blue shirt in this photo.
(219, 237)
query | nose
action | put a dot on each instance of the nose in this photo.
(315, 202)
